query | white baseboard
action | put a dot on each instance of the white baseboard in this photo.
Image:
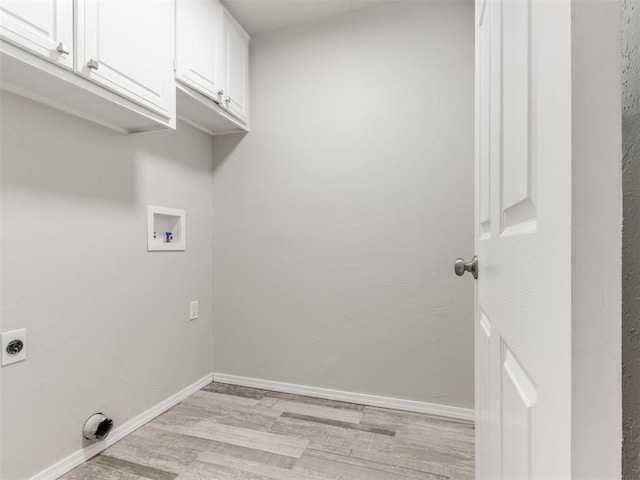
(351, 397)
(77, 458)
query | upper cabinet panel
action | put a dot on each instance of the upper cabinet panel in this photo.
(128, 48)
(44, 28)
(199, 46)
(236, 61)
(212, 68)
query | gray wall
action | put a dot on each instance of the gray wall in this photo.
(103, 315)
(337, 219)
(631, 238)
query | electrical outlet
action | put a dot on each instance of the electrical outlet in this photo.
(14, 346)
(193, 311)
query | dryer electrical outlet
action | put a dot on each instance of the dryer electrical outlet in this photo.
(14, 346)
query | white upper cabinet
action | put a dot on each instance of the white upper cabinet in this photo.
(43, 27)
(130, 65)
(107, 61)
(128, 48)
(199, 46)
(236, 68)
(212, 68)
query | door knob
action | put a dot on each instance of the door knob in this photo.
(93, 64)
(460, 266)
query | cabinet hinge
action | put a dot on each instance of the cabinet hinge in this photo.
(175, 68)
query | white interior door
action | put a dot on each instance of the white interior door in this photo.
(523, 239)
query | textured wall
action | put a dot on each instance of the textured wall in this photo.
(337, 219)
(631, 238)
(103, 315)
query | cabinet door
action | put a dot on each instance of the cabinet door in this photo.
(198, 46)
(128, 47)
(44, 27)
(236, 60)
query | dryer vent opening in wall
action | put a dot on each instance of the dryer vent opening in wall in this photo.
(97, 427)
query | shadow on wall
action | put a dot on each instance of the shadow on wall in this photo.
(72, 157)
(47, 150)
(223, 147)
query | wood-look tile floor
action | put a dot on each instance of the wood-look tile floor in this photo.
(225, 432)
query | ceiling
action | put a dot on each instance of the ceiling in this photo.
(261, 16)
